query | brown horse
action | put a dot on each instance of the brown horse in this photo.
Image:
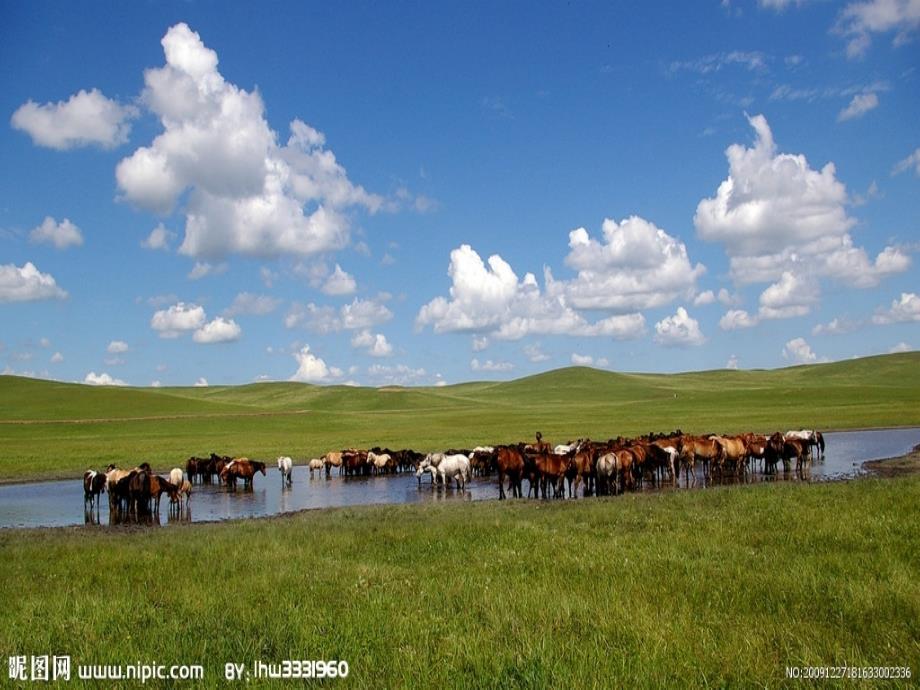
(551, 469)
(159, 486)
(800, 450)
(509, 461)
(756, 445)
(93, 485)
(582, 469)
(695, 448)
(773, 452)
(241, 468)
(734, 453)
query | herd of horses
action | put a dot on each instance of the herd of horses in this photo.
(597, 467)
(137, 493)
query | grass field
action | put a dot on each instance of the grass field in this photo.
(57, 430)
(725, 586)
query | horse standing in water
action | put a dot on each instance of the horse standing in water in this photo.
(244, 469)
(93, 485)
(286, 466)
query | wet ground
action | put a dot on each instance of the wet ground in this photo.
(60, 503)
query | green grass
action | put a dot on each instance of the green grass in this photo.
(718, 587)
(71, 427)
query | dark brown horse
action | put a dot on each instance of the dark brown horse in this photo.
(241, 468)
(509, 462)
(551, 469)
(93, 485)
(158, 487)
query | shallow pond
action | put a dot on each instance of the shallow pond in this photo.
(60, 503)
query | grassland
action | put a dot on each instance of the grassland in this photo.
(708, 588)
(56, 430)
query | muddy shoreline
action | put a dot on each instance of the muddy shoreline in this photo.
(899, 466)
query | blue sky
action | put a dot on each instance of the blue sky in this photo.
(433, 193)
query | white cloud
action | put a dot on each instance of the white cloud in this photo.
(912, 161)
(179, 318)
(774, 213)
(489, 365)
(734, 319)
(399, 375)
(480, 343)
(339, 283)
(86, 118)
(753, 61)
(728, 299)
(638, 266)
(202, 269)
(535, 354)
(312, 369)
(732, 362)
(61, 235)
(246, 193)
(219, 330)
(779, 5)
(202, 382)
(707, 297)
(799, 352)
(249, 304)
(582, 360)
(679, 330)
(901, 347)
(374, 344)
(836, 326)
(859, 20)
(102, 379)
(791, 296)
(155, 384)
(117, 347)
(27, 284)
(57, 358)
(43, 342)
(358, 314)
(904, 309)
(861, 104)
(491, 300)
(158, 239)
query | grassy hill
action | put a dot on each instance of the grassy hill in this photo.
(58, 429)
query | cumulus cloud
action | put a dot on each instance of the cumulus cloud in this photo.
(102, 379)
(155, 384)
(707, 297)
(117, 347)
(861, 104)
(177, 319)
(798, 351)
(791, 296)
(637, 266)
(533, 353)
(398, 375)
(202, 382)
(27, 284)
(57, 358)
(246, 194)
(904, 309)
(249, 304)
(774, 213)
(734, 319)
(588, 361)
(489, 365)
(900, 347)
(158, 239)
(61, 235)
(859, 20)
(836, 326)
(86, 118)
(912, 161)
(312, 369)
(679, 330)
(358, 314)
(219, 330)
(339, 283)
(374, 344)
(202, 269)
(732, 362)
(480, 343)
(492, 300)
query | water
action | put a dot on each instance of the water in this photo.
(55, 504)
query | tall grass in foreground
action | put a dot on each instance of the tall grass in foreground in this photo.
(722, 586)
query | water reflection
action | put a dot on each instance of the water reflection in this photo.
(57, 503)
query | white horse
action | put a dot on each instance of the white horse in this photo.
(809, 436)
(316, 464)
(378, 462)
(286, 465)
(456, 467)
(430, 465)
(176, 476)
